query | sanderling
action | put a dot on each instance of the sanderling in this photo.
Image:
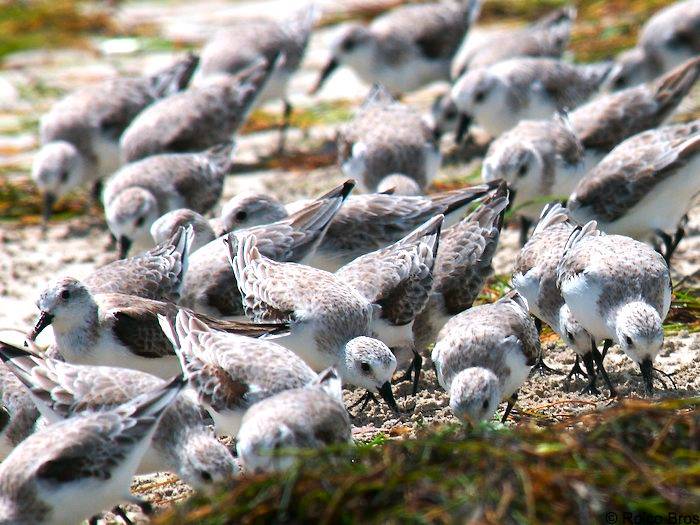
(328, 318)
(608, 119)
(667, 39)
(139, 193)
(118, 330)
(230, 373)
(463, 264)
(540, 160)
(183, 443)
(386, 137)
(369, 222)
(197, 118)
(546, 37)
(309, 417)
(365, 222)
(645, 186)
(210, 285)
(80, 135)
(535, 278)
(76, 468)
(484, 355)
(156, 274)
(249, 209)
(398, 184)
(619, 290)
(398, 279)
(169, 224)
(497, 97)
(406, 48)
(18, 414)
(236, 46)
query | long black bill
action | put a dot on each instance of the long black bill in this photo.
(647, 369)
(462, 126)
(124, 244)
(45, 319)
(388, 396)
(330, 67)
(47, 206)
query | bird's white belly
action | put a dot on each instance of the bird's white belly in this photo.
(302, 342)
(227, 423)
(581, 293)
(108, 154)
(519, 371)
(73, 502)
(662, 208)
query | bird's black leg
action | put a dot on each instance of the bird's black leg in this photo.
(607, 343)
(542, 368)
(97, 191)
(525, 224)
(538, 325)
(119, 511)
(598, 358)
(365, 399)
(590, 388)
(286, 116)
(575, 370)
(414, 370)
(511, 403)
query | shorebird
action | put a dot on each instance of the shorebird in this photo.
(386, 137)
(484, 355)
(546, 37)
(462, 266)
(329, 320)
(182, 443)
(197, 118)
(644, 187)
(406, 48)
(119, 330)
(499, 96)
(608, 119)
(398, 279)
(142, 191)
(229, 373)
(535, 278)
(169, 224)
(308, 417)
(210, 286)
(156, 274)
(233, 48)
(80, 134)
(619, 290)
(399, 184)
(540, 160)
(667, 39)
(77, 468)
(18, 414)
(365, 222)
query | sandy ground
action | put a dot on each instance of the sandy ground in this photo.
(29, 258)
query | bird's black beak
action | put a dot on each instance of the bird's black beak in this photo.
(124, 244)
(437, 133)
(325, 73)
(647, 369)
(388, 396)
(462, 126)
(47, 206)
(44, 320)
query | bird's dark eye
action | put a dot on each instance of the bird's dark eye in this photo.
(479, 96)
(365, 367)
(348, 45)
(65, 294)
(450, 114)
(139, 221)
(522, 170)
(241, 216)
(205, 475)
(64, 176)
(628, 340)
(485, 404)
(619, 82)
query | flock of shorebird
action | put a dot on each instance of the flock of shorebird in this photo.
(253, 319)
